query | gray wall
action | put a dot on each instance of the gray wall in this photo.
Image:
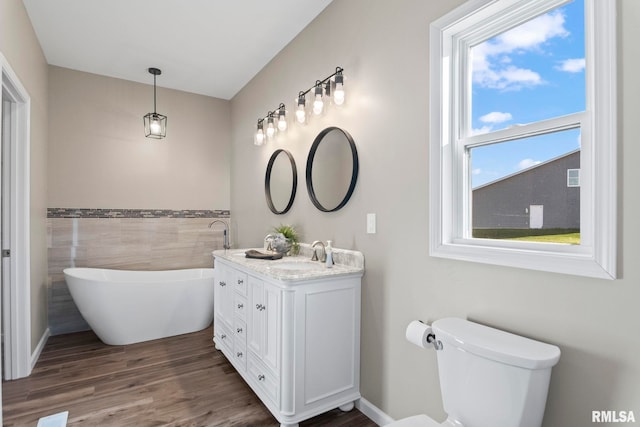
(100, 158)
(505, 203)
(384, 48)
(20, 47)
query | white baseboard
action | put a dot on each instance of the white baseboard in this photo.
(36, 353)
(374, 413)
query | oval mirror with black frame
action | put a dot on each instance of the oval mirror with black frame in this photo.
(332, 169)
(280, 182)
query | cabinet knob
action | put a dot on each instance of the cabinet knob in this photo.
(223, 284)
(240, 305)
(239, 330)
(223, 336)
(240, 281)
(260, 377)
(259, 307)
(239, 354)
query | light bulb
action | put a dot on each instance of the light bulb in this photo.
(259, 138)
(301, 114)
(155, 127)
(338, 94)
(318, 103)
(282, 120)
(282, 124)
(271, 129)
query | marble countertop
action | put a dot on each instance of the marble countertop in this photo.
(297, 268)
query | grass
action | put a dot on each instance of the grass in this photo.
(549, 235)
(569, 238)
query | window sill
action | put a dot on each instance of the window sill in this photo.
(578, 261)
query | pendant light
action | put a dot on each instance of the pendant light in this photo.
(155, 125)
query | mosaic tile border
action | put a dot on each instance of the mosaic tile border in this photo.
(134, 213)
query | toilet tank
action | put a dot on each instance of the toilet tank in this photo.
(492, 378)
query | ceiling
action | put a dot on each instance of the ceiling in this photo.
(210, 47)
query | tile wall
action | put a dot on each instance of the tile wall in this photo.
(125, 239)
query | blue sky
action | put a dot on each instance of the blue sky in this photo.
(532, 72)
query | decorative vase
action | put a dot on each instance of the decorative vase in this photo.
(281, 244)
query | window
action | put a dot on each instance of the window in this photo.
(523, 114)
(573, 177)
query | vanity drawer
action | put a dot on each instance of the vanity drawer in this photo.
(240, 355)
(223, 337)
(240, 307)
(240, 282)
(240, 331)
(264, 378)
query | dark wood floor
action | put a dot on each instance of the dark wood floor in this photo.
(179, 381)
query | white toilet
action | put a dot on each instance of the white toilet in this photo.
(488, 377)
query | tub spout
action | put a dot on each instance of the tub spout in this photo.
(225, 233)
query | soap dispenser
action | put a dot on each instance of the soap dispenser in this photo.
(329, 253)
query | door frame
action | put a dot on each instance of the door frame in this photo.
(17, 307)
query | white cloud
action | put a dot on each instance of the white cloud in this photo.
(510, 78)
(491, 59)
(527, 163)
(521, 75)
(532, 34)
(496, 117)
(477, 171)
(574, 65)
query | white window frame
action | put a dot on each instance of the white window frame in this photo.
(570, 183)
(449, 199)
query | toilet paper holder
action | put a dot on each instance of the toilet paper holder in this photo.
(431, 339)
(421, 334)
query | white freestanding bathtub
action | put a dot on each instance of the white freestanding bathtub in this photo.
(125, 307)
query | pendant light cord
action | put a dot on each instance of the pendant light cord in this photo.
(154, 93)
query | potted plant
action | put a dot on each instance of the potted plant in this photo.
(286, 240)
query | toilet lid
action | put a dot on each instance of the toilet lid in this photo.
(415, 421)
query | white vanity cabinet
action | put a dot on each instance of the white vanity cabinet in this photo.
(300, 338)
(230, 305)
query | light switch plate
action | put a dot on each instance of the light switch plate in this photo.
(371, 223)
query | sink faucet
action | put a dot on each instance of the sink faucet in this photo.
(268, 239)
(225, 233)
(323, 258)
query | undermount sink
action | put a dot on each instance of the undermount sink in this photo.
(301, 265)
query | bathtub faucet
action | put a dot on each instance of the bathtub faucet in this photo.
(225, 233)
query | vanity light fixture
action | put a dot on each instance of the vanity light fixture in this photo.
(276, 122)
(155, 125)
(331, 87)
